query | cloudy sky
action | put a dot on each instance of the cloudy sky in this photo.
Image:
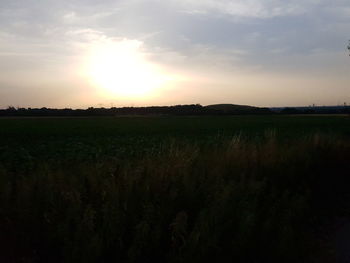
(82, 53)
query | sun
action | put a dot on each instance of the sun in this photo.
(120, 68)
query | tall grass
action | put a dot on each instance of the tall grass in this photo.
(236, 201)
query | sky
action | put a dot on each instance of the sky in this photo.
(83, 53)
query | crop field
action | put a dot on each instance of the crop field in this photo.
(173, 189)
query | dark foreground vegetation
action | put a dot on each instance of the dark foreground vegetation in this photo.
(189, 189)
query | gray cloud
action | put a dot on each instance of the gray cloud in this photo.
(262, 36)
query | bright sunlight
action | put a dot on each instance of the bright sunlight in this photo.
(120, 68)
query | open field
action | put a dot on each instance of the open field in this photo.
(173, 189)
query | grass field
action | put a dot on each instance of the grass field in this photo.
(173, 189)
(91, 137)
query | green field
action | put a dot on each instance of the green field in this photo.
(168, 125)
(80, 138)
(172, 189)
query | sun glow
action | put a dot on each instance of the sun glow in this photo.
(120, 68)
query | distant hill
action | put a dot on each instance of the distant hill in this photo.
(237, 109)
(230, 107)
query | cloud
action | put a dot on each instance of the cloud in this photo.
(207, 37)
(245, 8)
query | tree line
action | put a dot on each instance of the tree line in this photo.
(192, 109)
(176, 110)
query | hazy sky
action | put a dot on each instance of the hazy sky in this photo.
(82, 53)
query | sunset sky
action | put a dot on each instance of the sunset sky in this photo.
(83, 53)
